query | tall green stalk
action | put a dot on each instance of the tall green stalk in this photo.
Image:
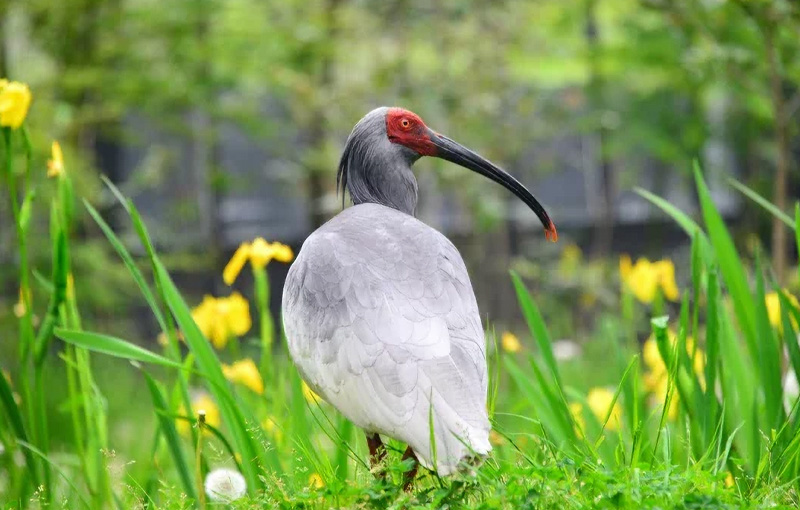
(32, 382)
(265, 320)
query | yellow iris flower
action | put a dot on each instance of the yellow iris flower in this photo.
(259, 253)
(656, 378)
(246, 373)
(221, 318)
(55, 165)
(599, 401)
(202, 402)
(315, 481)
(773, 302)
(645, 278)
(510, 343)
(15, 99)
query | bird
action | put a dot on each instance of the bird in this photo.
(378, 310)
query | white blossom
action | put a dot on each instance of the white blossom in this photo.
(225, 485)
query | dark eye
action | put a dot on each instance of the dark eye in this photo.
(405, 123)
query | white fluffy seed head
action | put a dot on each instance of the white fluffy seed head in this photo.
(225, 485)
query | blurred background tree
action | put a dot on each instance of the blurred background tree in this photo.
(225, 119)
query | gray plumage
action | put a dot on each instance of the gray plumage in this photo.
(380, 316)
(374, 170)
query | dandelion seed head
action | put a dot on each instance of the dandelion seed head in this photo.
(225, 485)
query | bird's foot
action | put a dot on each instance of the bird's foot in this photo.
(377, 452)
(408, 476)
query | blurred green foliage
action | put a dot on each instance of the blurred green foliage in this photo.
(654, 83)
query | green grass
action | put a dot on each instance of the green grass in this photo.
(92, 420)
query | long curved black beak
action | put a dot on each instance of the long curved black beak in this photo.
(456, 153)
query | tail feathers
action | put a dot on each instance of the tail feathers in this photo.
(455, 442)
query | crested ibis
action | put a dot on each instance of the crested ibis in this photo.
(378, 310)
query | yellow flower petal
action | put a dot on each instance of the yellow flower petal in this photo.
(203, 315)
(652, 357)
(238, 314)
(282, 252)
(246, 373)
(55, 166)
(237, 262)
(510, 343)
(261, 253)
(221, 318)
(773, 302)
(315, 481)
(309, 394)
(643, 281)
(599, 401)
(666, 279)
(15, 99)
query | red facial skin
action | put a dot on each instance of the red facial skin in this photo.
(406, 128)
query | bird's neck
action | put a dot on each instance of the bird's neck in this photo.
(385, 179)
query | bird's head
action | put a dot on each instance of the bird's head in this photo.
(408, 139)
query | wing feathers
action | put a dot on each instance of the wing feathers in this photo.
(380, 317)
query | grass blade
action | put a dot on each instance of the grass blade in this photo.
(126, 257)
(113, 347)
(536, 324)
(763, 202)
(689, 226)
(15, 419)
(769, 356)
(173, 441)
(218, 386)
(730, 264)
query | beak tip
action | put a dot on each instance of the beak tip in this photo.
(550, 233)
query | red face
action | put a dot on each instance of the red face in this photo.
(406, 128)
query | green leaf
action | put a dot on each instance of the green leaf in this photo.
(57, 296)
(797, 229)
(167, 425)
(126, 257)
(209, 364)
(25, 211)
(681, 218)
(15, 419)
(537, 326)
(790, 316)
(763, 202)
(545, 406)
(729, 263)
(113, 347)
(769, 355)
(712, 352)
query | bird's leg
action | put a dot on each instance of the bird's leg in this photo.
(408, 476)
(376, 450)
